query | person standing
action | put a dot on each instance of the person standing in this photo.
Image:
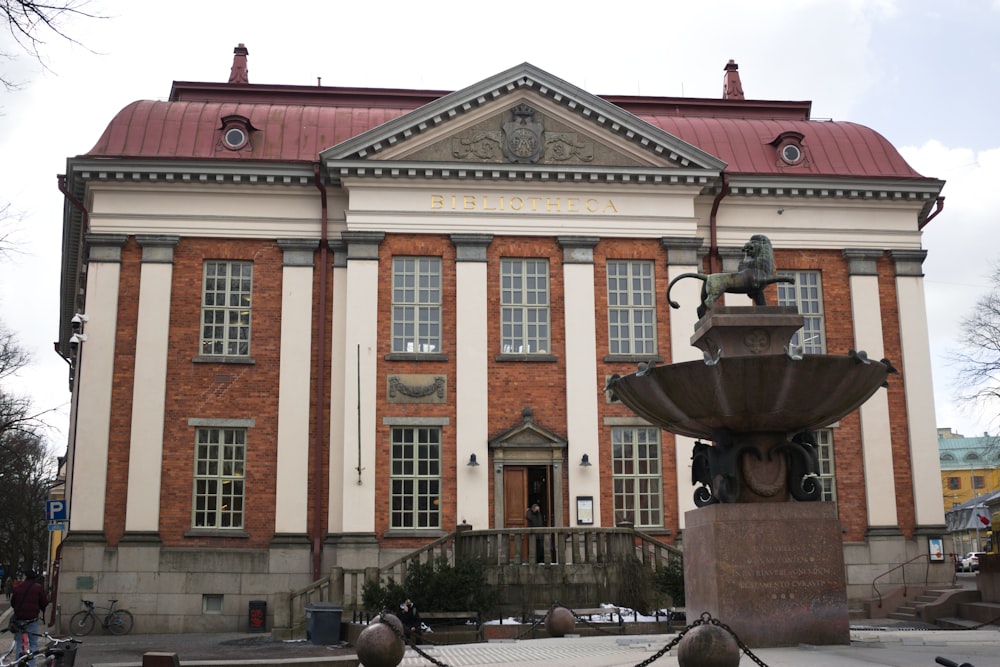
(536, 519)
(28, 601)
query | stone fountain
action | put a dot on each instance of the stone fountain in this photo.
(757, 555)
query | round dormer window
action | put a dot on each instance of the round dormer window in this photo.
(235, 138)
(791, 153)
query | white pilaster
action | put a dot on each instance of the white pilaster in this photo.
(876, 433)
(292, 468)
(338, 365)
(149, 390)
(472, 379)
(682, 257)
(582, 389)
(94, 381)
(360, 365)
(924, 462)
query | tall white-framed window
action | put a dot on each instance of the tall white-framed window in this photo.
(227, 291)
(524, 306)
(631, 313)
(415, 477)
(827, 472)
(416, 304)
(219, 476)
(806, 294)
(637, 475)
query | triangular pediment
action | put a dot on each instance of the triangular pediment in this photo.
(527, 435)
(522, 122)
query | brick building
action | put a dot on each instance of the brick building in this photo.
(304, 314)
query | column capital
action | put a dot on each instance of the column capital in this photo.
(731, 257)
(298, 252)
(339, 250)
(682, 249)
(471, 247)
(578, 249)
(157, 248)
(908, 262)
(362, 245)
(105, 247)
(862, 261)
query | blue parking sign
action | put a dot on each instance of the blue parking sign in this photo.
(55, 510)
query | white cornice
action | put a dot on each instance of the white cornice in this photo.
(602, 115)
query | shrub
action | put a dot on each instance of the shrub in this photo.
(670, 580)
(437, 586)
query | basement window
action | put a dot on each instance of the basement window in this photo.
(211, 604)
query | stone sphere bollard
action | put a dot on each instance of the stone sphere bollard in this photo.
(381, 643)
(708, 646)
(560, 622)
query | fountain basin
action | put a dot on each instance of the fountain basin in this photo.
(751, 394)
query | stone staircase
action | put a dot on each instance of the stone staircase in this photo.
(912, 610)
(948, 607)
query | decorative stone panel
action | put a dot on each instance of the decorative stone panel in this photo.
(417, 389)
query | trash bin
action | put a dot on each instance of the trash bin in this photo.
(323, 622)
(258, 616)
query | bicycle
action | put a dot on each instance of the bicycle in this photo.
(54, 652)
(116, 621)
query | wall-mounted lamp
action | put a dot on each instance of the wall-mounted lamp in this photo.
(585, 461)
(472, 460)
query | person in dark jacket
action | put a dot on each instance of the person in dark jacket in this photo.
(536, 519)
(28, 601)
(410, 618)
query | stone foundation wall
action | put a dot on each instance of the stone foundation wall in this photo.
(166, 589)
(880, 557)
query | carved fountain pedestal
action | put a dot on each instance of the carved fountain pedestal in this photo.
(757, 556)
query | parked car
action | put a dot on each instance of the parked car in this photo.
(971, 561)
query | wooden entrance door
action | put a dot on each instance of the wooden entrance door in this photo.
(515, 504)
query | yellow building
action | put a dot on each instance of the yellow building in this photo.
(970, 467)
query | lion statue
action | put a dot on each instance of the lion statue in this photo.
(755, 272)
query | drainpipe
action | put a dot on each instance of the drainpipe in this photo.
(84, 216)
(713, 248)
(938, 207)
(318, 437)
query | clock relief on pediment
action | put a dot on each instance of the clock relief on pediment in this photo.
(522, 139)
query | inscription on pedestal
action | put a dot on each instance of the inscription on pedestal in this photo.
(773, 572)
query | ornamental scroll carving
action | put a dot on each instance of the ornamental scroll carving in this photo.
(522, 139)
(417, 388)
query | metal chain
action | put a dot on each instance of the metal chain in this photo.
(596, 627)
(706, 618)
(406, 642)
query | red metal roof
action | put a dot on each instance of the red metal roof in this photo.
(296, 123)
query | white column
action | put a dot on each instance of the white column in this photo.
(338, 364)
(292, 468)
(582, 390)
(95, 360)
(472, 379)
(360, 376)
(682, 257)
(876, 433)
(149, 389)
(924, 462)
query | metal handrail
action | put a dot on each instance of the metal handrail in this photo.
(878, 593)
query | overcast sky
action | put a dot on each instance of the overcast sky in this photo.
(922, 72)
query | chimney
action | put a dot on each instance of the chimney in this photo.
(732, 89)
(239, 72)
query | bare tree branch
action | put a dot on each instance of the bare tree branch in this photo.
(978, 359)
(30, 23)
